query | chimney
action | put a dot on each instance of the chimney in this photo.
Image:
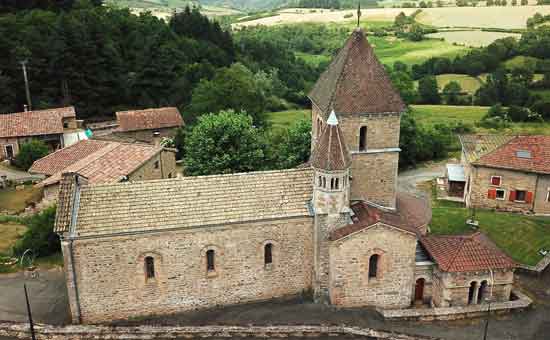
(156, 138)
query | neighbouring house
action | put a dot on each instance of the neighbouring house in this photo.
(56, 127)
(510, 173)
(104, 162)
(336, 227)
(456, 181)
(147, 125)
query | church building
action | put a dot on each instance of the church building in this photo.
(336, 227)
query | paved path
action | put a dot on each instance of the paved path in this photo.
(408, 180)
(47, 294)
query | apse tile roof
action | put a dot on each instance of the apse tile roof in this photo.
(356, 82)
(148, 119)
(105, 163)
(412, 214)
(34, 123)
(330, 151)
(525, 153)
(468, 253)
(190, 202)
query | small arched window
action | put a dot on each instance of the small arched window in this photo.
(320, 181)
(324, 182)
(319, 127)
(210, 258)
(363, 138)
(149, 267)
(336, 184)
(331, 183)
(373, 265)
(268, 253)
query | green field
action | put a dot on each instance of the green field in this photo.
(468, 83)
(433, 114)
(429, 115)
(520, 236)
(284, 119)
(543, 93)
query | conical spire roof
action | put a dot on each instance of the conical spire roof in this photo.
(356, 82)
(331, 152)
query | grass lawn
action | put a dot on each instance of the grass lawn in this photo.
(520, 61)
(14, 201)
(284, 119)
(468, 83)
(9, 233)
(520, 236)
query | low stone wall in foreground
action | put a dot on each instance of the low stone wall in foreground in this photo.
(521, 302)
(86, 332)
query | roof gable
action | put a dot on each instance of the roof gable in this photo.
(149, 119)
(525, 153)
(34, 123)
(356, 82)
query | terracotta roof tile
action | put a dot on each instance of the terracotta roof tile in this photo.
(330, 151)
(411, 214)
(149, 119)
(192, 202)
(106, 164)
(34, 123)
(65, 157)
(525, 153)
(466, 253)
(356, 82)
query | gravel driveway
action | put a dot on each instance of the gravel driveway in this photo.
(408, 180)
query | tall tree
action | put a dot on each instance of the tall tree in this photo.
(428, 90)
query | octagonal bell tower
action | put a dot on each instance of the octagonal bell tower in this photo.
(331, 162)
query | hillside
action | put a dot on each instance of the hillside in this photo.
(245, 5)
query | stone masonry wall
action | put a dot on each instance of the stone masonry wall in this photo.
(374, 174)
(147, 135)
(166, 168)
(542, 202)
(511, 180)
(374, 178)
(454, 287)
(424, 272)
(350, 285)
(112, 269)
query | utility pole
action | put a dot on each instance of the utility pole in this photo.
(33, 337)
(27, 90)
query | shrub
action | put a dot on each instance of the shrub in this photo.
(39, 237)
(30, 152)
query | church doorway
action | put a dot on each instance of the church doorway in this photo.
(419, 290)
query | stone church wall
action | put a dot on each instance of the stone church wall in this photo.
(112, 283)
(349, 268)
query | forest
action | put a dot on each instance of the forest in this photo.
(103, 59)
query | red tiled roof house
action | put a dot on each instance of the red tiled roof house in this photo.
(46, 125)
(146, 125)
(510, 173)
(104, 162)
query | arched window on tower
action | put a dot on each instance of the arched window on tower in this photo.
(268, 253)
(336, 184)
(332, 184)
(324, 182)
(363, 138)
(319, 127)
(210, 258)
(149, 267)
(373, 266)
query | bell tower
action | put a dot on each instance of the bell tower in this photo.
(331, 162)
(357, 88)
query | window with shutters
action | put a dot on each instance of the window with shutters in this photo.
(521, 196)
(492, 194)
(500, 194)
(496, 180)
